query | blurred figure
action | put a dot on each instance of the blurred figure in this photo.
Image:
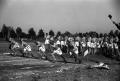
(27, 50)
(58, 51)
(14, 46)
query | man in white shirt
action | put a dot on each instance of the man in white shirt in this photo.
(47, 44)
(75, 54)
(14, 46)
(43, 51)
(58, 51)
(26, 49)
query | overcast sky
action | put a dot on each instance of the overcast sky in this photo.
(59, 15)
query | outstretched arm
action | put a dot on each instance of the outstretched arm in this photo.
(116, 24)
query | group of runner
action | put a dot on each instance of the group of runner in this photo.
(72, 46)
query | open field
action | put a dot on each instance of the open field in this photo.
(29, 69)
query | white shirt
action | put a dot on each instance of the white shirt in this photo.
(83, 44)
(116, 46)
(76, 50)
(98, 45)
(62, 42)
(42, 48)
(110, 45)
(76, 43)
(47, 41)
(58, 51)
(89, 44)
(93, 45)
(58, 42)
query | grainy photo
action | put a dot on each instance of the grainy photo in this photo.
(59, 40)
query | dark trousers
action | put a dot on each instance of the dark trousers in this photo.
(63, 57)
(76, 57)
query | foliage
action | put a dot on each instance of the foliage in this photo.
(19, 32)
(4, 31)
(67, 33)
(51, 33)
(12, 33)
(32, 33)
(41, 33)
(8, 31)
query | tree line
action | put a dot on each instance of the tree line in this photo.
(8, 31)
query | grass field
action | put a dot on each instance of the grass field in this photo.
(29, 69)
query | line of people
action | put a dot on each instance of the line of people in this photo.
(82, 46)
(75, 47)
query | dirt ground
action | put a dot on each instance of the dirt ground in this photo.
(29, 69)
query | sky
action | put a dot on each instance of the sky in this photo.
(60, 15)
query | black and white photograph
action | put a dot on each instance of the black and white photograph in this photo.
(59, 40)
